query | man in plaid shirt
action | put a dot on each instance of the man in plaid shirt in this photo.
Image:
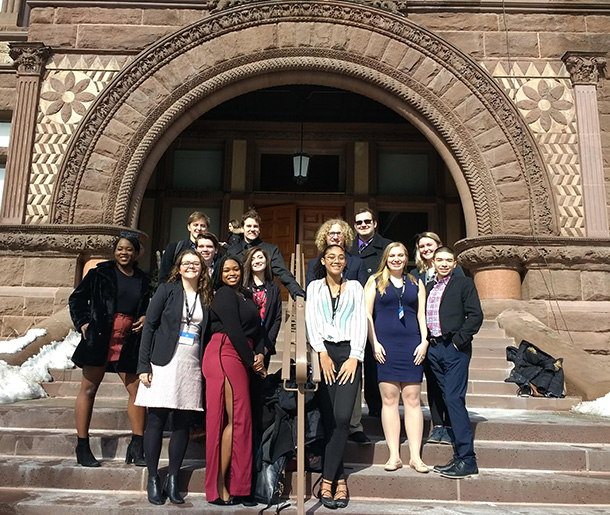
(453, 317)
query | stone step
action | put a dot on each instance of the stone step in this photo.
(70, 389)
(112, 446)
(75, 374)
(512, 401)
(490, 374)
(365, 481)
(41, 501)
(488, 424)
(495, 361)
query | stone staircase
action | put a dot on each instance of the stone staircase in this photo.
(532, 452)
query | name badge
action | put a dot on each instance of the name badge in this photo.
(401, 313)
(187, 338)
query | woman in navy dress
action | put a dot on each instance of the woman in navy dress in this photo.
(396, 304)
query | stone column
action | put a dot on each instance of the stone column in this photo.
(29, 59)
(585, 69)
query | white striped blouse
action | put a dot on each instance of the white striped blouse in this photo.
(349, 323)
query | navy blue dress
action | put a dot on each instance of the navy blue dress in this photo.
(399, 337)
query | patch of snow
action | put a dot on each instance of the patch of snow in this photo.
(20, 383)
(15, 345)
(599, 407)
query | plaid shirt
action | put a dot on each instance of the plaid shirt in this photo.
(433, 304)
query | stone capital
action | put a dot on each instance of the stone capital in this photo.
(521, 253)
(64, 240)
(29, 58)
(585, 67)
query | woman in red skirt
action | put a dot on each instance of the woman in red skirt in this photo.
(237, 345)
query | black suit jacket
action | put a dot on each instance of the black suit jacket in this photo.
(162, 327)
(172, 251)
(372, 253)
(278, 266)
(273, 315)
(460, 312)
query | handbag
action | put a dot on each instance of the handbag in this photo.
(269, 486)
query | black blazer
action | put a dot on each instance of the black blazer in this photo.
(273, 315)
(460, 312)
(93, 302)
(372, 253)
(162, 327)
(172, 251)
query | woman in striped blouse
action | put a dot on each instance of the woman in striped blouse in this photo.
(336, 321)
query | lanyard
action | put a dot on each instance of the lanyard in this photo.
(334, 301)
(190, 312)
(401, 312)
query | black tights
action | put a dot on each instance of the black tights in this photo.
(153, 438)
(336, 406)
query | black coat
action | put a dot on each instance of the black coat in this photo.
(172, 251)
(278, 266)
(372, 253)
(273, 315)
(162, 327)
(460, 312)
(93, 302)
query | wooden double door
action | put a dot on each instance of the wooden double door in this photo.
(288, 224)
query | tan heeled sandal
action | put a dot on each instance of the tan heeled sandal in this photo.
(341, 494)
(326, 494)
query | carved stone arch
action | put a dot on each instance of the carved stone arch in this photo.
(488, 148)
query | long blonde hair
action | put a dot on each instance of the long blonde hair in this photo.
(382, 277)
(421, 265)
(348, 233)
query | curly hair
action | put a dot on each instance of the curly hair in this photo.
(204, 284)
(217, 275)
(319, 270)
(382, 277)
(247, 265)
(324, 229)
(419, 262)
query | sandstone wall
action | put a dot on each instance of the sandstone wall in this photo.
(33, 288)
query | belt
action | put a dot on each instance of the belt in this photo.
(434, 340)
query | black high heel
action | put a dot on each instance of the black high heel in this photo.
(155, 495)
(135, 451)
(84, 456)
(171, 489)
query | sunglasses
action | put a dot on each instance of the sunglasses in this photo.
(368, 221)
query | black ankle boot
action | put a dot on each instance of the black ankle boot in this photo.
(135, 451)
(155, 496)
(171, 489)
(84, 456)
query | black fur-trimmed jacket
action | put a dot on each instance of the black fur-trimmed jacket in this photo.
(93, 302)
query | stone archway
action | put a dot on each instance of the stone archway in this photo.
(489, 150)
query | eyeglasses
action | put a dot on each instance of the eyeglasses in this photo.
(189, 264)
(368, 221)
(331, 258)
(335, 234)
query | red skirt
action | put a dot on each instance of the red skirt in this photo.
(221, 361)
(121, 327)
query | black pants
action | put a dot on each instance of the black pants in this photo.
(372, 396)
(438, 409)
(336, 405)
(156, 419)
